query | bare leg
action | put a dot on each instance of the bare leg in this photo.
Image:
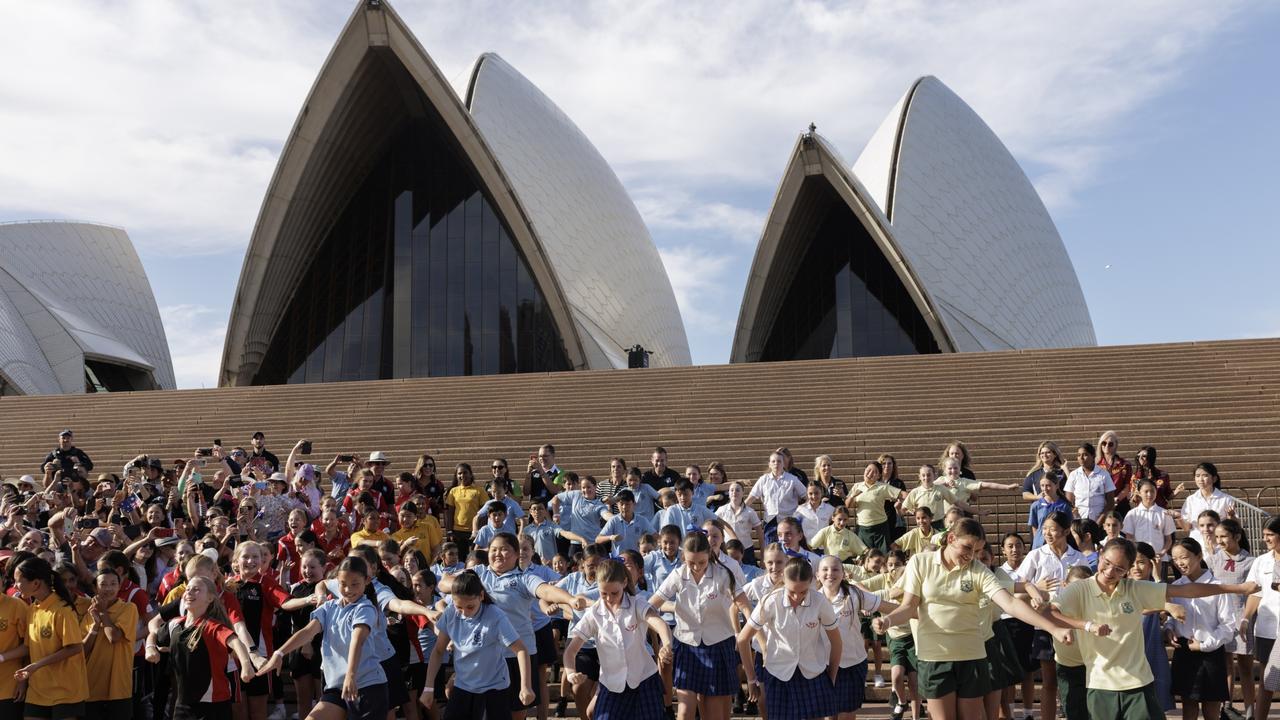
(1048, 690)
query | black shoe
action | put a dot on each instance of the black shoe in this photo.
(752, 709)
(562, 707)
(898, 711)
(671, 714)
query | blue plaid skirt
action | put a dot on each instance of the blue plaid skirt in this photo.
(642, 702)
(707, 669)
(799, 698)
(851, 688)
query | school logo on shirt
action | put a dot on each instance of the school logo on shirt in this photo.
(629, 624)
(46, 632)
(477, 636)
(1126, 607)
(4, 624)
(713, 595)
(811, 624)
(966, 585)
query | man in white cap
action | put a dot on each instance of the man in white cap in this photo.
(378, 462)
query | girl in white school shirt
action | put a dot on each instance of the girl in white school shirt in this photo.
(702, 593)
(849, 602)
(802, 657)
(942, 588)
(618, 622)
(1199, 656)
(1261, 613)
(1231, 565)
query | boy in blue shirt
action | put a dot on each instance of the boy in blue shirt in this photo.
(497, 515)
(515, 513)
(541, 531)
(624, 529)
(684, 513)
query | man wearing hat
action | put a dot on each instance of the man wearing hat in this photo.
(66, 456)
(261, 457)
(378, 462)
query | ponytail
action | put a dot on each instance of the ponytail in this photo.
(37, 568)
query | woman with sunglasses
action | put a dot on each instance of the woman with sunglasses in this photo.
(1121, 470)
(501, 470)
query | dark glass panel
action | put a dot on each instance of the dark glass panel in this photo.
(844, 299)
(416, 276)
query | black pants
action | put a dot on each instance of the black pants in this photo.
(465, 705)
(461, 538)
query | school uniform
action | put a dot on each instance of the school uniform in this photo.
(1002, 656)
(1089, 490)
(742, 520)
(1041, 509)
(914, 541)
(581, 515)
(485, 535)
(339, 621)
(814, 519)
(545, 654)
(1043, 563)
(1266, 622)
(850, 690)
(1197, 503)
(1020, 632)
(844, 544)
(1117, 676)
(480, 675)
(706, 658)
(934, 497)
(109, 665)
(514, 513)
(684, 517)
(631, 531)
(379, 643)
(577, 583)
(1211, 621)
(873, 522)
(751, 572)
(961, 490)
(1068, 667)
(797, 686)
(62, 688)
(902, 644)
(515, 592)
(1233, 569)
(199, 657)
(14, 618)
(949, 643)
(544, 539)
(646, 502)
(1152, 526)
(629, 687)
(781, 496)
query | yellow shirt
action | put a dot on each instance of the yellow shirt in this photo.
(906, 628)
(870, 501)
(361, 537)
(426, 529)
(52, 626)
(844, 544)
(963, 490)
(1116, 662)
(880, 581)
(110, 665)
(175, 593)
(466, 501)
(949, 627)
(991, 608)
(13, 632)
(936, 498)
(915, 541)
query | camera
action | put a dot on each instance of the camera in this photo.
(87, 523)
(306, 447)
(346, 458)
(204, 452)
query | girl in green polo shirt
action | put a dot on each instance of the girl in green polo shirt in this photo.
(943, 590)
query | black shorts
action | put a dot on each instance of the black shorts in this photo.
(416, 677)
(257, 687)
(513, 690)
(56, 712)
(465, 705)
(1262, 647)
(545, 639)
(301, 667)
(370, 703)
(561, 626)
(588, 663)
(397, 694)
(1200, 675)
(203, 711)
(107, 709)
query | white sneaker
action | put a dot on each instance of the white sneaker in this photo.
(880, 681)
(277, 712)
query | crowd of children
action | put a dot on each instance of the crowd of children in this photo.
(648, 597)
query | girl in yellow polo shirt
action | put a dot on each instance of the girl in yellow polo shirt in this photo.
(13, 634)
(943, 589)
(110, 627)
(55, 681)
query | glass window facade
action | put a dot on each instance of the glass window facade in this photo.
(844, 299)
(417, 277)
(102, 376)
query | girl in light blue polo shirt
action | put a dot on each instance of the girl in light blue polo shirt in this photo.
(480, 633)
(347, 623)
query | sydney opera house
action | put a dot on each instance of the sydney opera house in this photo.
(76, 312)
(411, 232)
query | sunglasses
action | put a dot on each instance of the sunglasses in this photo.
(1109, 443)
(498, 467)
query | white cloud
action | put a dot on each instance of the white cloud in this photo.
(195, 335)
(673, 210)
(698, 278)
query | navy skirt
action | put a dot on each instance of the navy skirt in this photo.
(707, 669)
(800, 698)
(642, 702)
(851, 688)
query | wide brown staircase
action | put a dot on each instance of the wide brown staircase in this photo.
(1194, 401)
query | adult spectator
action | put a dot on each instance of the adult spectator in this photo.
(1121, 470)
(616, 481)
(867, 500)
(429, 486)
(461, 504)
(341, 479)
(378, 463)
(790, 466)
(261, 457)
(1147, 469)
(832, 485)
(1048, 462)
(544, 478)
(501, 470)
(659, 476)
(780, 492)
(897, 523)
(958, 451)
(67, 456)
(1089, 488)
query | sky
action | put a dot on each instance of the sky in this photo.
(1148, 128)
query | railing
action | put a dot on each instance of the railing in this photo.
(1254, 520)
